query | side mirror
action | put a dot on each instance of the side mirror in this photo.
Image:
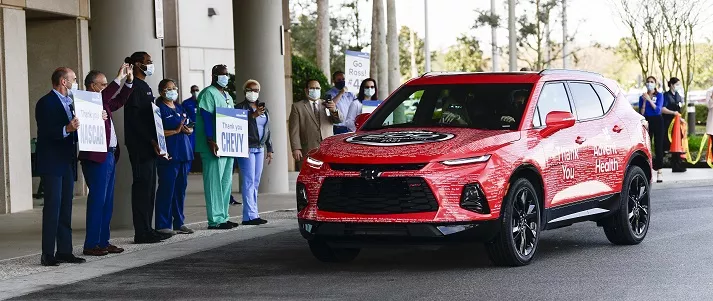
(557, 120)
(360, 119)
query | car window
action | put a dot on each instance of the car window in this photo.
(586, 101)
(605, 96)
(537, 119)
(552, 98)
(478, 105)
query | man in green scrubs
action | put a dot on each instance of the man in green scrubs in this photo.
(217, 171)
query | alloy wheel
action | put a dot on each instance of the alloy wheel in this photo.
(525, 222)
(638, 206)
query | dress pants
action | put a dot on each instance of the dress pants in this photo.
(656, 132)
(171, 194)
(250, 172)
(57, 212)
(217, 185)
(100, 202)
(143, 194)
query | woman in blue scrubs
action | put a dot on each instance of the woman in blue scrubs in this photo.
(260, 150)
(173, 173)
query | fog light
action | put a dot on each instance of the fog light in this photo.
(301, 196)
(473, 199)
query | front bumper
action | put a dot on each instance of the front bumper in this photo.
(361, 234)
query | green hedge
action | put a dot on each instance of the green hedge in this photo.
(303, 70)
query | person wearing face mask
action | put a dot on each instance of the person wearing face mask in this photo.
(143, 149)
(217, 171)
(367, 91)
(260, 149)
(173, 173)
(57, 166)
(309, 123)
(342, 98)
(651, 106)
(672, 102)
(99, 167)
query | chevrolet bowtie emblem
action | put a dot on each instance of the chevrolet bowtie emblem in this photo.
(370, 174)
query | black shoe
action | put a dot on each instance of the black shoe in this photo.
(161, 235)
(49, 261)
(223, 226)
(233, 201)
(232, 224)
(254, 222)
(146, 239)
(69, 258)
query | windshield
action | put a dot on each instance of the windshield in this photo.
(478, 106)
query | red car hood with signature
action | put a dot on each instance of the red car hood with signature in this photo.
(412, 145)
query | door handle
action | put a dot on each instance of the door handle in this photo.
(580, 140)
(617, 129)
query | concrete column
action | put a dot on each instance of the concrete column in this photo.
(259, 50)
(288, 71)
(15, 168)
(119, 28)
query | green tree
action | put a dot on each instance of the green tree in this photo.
(302, 71)
(405, 53)
(465, 55)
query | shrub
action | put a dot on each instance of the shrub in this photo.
(303, 70)
(701, 114)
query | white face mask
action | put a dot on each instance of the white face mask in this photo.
(223, 80)
(369, 92)
(651, 86)
(314, 94)
(75, 86)
(149, 70)
(678, 88)
(172, 95)
(252, 96)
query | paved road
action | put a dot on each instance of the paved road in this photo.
(575, 263)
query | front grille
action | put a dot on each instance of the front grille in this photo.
(379, 167)
(378, 196)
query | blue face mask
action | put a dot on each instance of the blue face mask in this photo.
(172, 95)
(223, 80)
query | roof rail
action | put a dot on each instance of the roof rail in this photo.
(443, 72)
(567, 71)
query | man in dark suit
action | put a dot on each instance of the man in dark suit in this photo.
(57, 165)
(99, 167)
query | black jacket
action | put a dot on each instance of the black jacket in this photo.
(139, 125)
(254, 140)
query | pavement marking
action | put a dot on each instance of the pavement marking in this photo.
(42, 278)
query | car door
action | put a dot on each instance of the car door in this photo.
(615, 134)
(561, 172)
(598, 164)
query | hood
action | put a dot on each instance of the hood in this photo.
(412, 145)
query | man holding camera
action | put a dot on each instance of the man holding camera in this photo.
(341, 98)
(312, 120)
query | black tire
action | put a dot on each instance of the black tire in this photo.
(323, 252)
(518, 234)
(629, 225)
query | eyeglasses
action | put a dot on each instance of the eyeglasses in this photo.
(252, 90)
(369, 87)
(315, 88)
(194, 91)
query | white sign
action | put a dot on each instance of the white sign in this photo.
(356, 68)
(368, 106)
(92, 132)
(231, 129)
(159, 129)
(158, 10)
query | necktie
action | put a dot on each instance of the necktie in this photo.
(316, 112)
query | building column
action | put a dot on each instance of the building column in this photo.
(288, 72)
(259, 54)
(15, 168)
(118, 29)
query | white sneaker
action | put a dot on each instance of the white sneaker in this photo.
(659, 177)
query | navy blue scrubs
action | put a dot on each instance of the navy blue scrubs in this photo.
(173, 174)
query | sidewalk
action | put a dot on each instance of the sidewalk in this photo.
(21, 233)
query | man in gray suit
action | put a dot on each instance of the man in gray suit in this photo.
(311, 121)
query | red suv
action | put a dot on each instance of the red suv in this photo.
(488, 157)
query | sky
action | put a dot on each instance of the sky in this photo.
(448, 19)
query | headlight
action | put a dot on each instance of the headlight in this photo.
(314, 163)
(471, 160)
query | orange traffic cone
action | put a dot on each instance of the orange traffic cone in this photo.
(676, 136)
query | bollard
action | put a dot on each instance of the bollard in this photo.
(691, 119)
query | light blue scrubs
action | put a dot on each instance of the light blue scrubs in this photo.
(251, 171)
(173, 174)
